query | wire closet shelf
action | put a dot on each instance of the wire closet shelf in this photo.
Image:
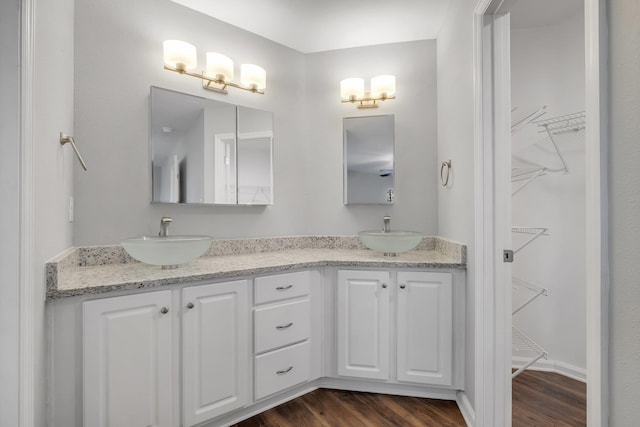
(552, 127)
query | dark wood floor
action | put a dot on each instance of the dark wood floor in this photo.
(539, 399)
(548, 399)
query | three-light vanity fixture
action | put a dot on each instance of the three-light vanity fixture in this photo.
(181, 57)
(382, 88)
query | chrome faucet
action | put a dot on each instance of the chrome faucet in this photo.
(387, 224)
(165, 221)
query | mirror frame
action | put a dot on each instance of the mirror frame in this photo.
(345, 184)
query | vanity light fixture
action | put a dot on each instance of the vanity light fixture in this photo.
(181, 57)
(382, 88)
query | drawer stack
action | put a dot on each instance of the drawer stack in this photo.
(282, 331)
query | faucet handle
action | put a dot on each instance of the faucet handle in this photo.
(387, 223)
(166, 220)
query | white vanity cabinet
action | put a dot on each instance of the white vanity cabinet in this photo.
(363, 324)
(215, 350)
(424, 328)
(127, 371)
(403, 317)
(215, 353)
(282, 329)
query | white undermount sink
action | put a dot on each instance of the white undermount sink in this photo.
(390, 242)
(167, 251)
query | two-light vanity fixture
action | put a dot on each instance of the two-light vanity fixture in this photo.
(181, 57)
(382, 88)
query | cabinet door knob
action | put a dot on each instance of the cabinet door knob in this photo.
(190, 305)
(164, 310)
(384, 286)
(403, 286)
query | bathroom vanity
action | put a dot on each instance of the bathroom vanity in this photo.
(252, 325)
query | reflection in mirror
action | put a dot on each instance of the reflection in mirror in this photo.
(196, 155)
(368, 160)
(255, 140)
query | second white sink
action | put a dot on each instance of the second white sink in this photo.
(167, 251)
(390, 242)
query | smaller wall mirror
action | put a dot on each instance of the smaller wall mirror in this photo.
(369, 160)
(209, 152)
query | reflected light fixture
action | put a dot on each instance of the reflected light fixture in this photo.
(382, 88)
(181, 57)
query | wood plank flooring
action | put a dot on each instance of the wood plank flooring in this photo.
(540, 399)
(548, 399)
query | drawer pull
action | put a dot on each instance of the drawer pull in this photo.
(284, 288)
(284, 371)
(281, 327)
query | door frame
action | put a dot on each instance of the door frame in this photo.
(492, 360)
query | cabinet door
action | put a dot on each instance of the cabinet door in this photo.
(425, 328)
(127, 361)
(363, 324)
(215, 351)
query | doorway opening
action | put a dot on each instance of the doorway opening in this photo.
(570, 334)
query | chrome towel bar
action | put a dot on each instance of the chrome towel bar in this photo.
(68, 138)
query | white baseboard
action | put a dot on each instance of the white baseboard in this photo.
(562, 368)
(466, 409)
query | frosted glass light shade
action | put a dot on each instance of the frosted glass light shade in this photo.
(352, 87)
(179, 54)
(219, 64)
(383, 85)
(252, 75)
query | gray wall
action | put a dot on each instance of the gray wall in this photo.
(119, 55)
(624, 202)
(547, 68)
(455, 142)
(414, 65)
(52, 163)
(9, 211)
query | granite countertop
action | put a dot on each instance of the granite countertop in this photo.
(94, 270)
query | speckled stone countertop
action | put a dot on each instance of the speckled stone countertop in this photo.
(94, 270)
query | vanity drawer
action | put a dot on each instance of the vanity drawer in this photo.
(281, 369)
(281, 286)
(281, 325)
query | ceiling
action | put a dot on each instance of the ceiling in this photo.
(320, 25)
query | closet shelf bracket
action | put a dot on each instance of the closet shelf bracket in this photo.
(521, 342)
(536, 290)
(534, 232)
(529, 118)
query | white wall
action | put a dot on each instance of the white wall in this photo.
(455, 142)
(547, 68)
(9, 211)
(624, 221)
(111, 116)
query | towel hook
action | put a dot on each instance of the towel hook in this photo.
(68, 138)
(445, 178)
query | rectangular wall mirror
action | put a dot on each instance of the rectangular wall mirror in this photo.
(369, 160)
(209, 152)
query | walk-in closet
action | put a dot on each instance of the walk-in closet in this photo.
(548, 192)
